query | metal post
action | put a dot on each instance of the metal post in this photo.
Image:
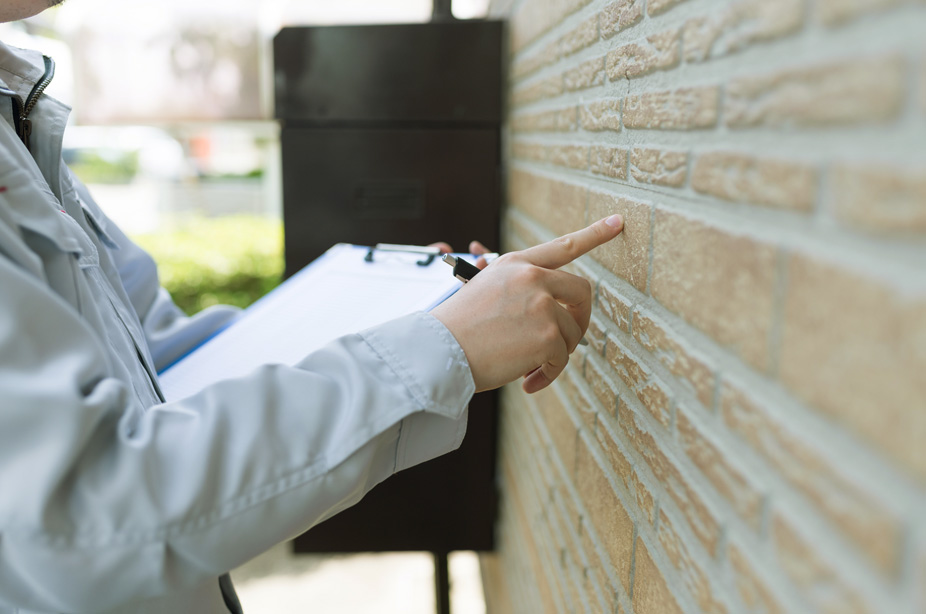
(442, 10)
(441, 583)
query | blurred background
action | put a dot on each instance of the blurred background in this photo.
(172, 125)
(172, 129)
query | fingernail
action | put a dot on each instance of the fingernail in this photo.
(615, 221)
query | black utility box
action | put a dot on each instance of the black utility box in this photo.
(391, 134)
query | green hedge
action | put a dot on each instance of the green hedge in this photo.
(230, 260)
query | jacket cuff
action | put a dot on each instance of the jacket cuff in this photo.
(427, 360)
(432, 366)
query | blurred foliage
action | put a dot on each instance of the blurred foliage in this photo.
(231, 260)
(103, 165)
(256, 173)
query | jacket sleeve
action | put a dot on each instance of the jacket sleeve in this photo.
(170, 333)
(105, 502)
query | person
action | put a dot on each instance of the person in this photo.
(113, 500)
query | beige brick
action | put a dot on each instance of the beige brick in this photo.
(550, 598)
(627, 256)
(602, 115)
(817, 581)
(721, 470)
(531, 19)
(579, 37)
(835, 12)
(661, 6)
(623, 468)
(556, 120)
(657, 401)
(855, 348)
(610, 520)
(651, 594)
(587, 74)
(625, 364)
(720, 282)
(597, 567)
(525, 65)
(858, 91)
(753, 592)
(495, 579)
(532, 152)
(649, 390)
(615, 306)
(564, 497)
(740, 25)
(619, 15)
(599, 380)
(646, 502)
(557, 205)
(526, 24)
(526, 537)
(739, 177)
(571, 565)
(880, 198)
(676, 354)
(595, 335)
(694, 574)
(873, 529)
(702, 521)
(525, 233)
(657, 52)
(539, 89)
(610, 161)
(559, 425)
(568, 386)
(680, 109)
(659, 166)
(570, 156)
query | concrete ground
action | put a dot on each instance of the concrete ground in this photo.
(280, 582)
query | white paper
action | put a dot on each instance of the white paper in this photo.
(336, 295)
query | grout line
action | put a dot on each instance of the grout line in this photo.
(765, 517)
(715, 397)
(651, 248)
(720, 550)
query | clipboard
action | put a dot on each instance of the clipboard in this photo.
(347, 289)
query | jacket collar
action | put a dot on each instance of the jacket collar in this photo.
(20, 70)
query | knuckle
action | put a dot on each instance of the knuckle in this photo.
(549, 334)
(533, 274)
(529, 275)
(507, 258)
(535, 309)
(567, 244)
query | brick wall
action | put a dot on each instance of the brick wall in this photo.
(746, 432)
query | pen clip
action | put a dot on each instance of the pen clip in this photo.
(429, 253)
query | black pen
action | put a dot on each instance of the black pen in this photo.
(464, 271)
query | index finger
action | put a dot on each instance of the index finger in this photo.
(563, 250)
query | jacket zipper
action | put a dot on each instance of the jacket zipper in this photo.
(22, 110)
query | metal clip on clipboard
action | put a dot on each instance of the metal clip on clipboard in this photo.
(430, 253)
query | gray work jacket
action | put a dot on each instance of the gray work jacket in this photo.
(110, 498)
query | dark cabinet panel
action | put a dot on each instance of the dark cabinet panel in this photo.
(391, 134)
(426, 72)
(373, 186)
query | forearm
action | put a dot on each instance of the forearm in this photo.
(154, 500)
